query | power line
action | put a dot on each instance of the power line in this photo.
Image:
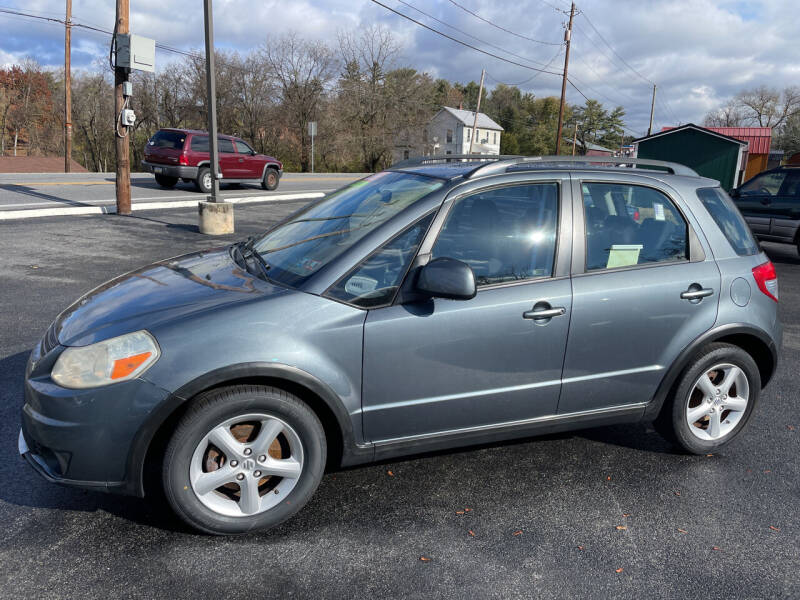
(534, 76)
(463, 43)
(585, 16)
(411, 6)
(519, 35)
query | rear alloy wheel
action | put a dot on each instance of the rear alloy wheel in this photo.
(165, 181)
(243, 459)
(203, 181)
(271, 179)
(715, 398)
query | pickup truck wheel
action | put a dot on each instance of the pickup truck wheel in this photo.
(242, 459)
(270, 181)
(203, 181)
(166, 181)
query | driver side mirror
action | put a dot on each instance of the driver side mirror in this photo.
(447, 278)
(735, 193)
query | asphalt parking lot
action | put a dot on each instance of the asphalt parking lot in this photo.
(613, 512)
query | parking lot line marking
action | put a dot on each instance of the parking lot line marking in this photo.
(10, 215)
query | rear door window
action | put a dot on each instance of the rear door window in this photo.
(629, 225)
(729, 219)
(226, 146)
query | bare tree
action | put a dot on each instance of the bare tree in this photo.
(729, 115)
(302, 70)
(768, 107)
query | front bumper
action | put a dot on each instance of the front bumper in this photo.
(180, 171)
(87, 438)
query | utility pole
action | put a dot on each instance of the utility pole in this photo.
(211, 100)
(477, 110)
(567, 39)
(123, 151)
(68, 89)
(652, 110)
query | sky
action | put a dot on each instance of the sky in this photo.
(698, 52)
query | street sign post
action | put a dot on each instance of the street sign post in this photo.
(312, 131)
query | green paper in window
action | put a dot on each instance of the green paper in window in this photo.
(623, 255)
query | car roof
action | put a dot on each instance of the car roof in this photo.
(471, 166)
(197, 132)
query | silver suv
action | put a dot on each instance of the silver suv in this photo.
(444, 302)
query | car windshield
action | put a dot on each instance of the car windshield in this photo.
(302, 246)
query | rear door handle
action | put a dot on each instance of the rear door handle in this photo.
(691, 294)
(547, 313)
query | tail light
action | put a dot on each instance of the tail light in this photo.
(767, 279)
(183, 160)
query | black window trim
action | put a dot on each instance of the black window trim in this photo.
(695, 248)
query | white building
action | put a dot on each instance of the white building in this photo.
(450, 132)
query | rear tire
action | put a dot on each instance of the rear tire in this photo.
(203, 181)
(166, 181)
(713, 400)
(271, 179)
(245, 434)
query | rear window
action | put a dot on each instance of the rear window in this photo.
(730, 220)
(168, 139)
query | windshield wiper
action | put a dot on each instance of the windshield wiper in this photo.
(246, 249)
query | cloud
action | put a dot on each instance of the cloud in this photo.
(699, 52)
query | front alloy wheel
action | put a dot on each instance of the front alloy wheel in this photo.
(243, 458)
(246, 465)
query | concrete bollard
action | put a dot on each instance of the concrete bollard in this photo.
(215, 218)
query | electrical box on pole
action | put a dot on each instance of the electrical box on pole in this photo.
(135, 52)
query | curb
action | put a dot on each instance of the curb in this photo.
(32, 213)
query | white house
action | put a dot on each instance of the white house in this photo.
(450, 132)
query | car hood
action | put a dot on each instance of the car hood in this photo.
(161, 292)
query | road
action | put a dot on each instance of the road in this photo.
(601, 513)
(48, 190)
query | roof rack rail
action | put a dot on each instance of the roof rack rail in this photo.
(505, 163)
(436, 159)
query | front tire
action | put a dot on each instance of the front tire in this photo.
(243, 459)
(271, 179)
(166, 182)
(714, 399)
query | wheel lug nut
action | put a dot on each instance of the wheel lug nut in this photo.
(256, 473)
(262, 458)
(240, 476)
(247, 451)
(234, 463)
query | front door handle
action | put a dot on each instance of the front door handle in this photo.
(696, 294)
(241, 160)
(546, 313)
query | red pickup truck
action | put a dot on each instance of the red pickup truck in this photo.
(173, 154)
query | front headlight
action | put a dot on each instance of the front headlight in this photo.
(110, 361)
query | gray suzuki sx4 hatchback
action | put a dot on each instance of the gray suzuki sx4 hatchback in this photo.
(437, 304)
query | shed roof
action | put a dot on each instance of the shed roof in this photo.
(468, 118)
(759, 138)
(671, 130)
